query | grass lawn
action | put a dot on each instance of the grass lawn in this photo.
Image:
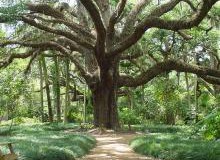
(175, 143)
(47, 142)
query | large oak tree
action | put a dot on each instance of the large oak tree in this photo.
(96, 38)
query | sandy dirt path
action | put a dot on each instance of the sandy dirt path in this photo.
(114, 147)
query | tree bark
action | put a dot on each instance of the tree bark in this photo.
(50, 111)
(196, 91)
(84, 104)
(41, 90)
(130, 98)
(67, 97)
(169, 110)
(170, 117)
(105, 99)
(57, 88)
(105, 108)
(187, 88)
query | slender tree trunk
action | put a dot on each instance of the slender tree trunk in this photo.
(57, 88)
(158, 2)
(67, 98)
(50, 111)
(187, 88)
(170, 117)
(84, 105)
(169, 111)
(196, 89)
(215, 64)
(130, 99)
(41, 90)
(11, 125)
(142, 95)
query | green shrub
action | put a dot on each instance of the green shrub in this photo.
(129, 117)
(20, 120)
(74, 117)
(210, 126)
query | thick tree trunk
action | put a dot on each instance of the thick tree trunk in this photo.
(105, 108)
(105, 100)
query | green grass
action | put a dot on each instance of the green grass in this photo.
(47, 142)
(175, 144)
(159, 128)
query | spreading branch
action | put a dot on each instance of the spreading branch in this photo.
(66, 34)
(184, 35)
(99, 25)
(164, 8)
(4, 63)
(71, 44)
(155, 21)
(114, 18)
(191, 5)
(209, 75)
(58, 16)
(34, 55)
(133, 56)
(132, 17)
(80, 29)
(43, 45)
(212, 80)
(175, 25)
(50, 45)
(45, 9)
(207, 86)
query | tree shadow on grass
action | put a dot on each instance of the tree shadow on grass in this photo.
(42, 142)
(176, 147)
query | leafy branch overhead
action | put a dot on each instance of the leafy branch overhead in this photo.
(12, 13)
(106, 41)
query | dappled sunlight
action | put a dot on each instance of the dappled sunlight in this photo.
(108, 139)
(114, 147)
(174, 146)
(117, 147)
(47, 142)
(56, 137)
